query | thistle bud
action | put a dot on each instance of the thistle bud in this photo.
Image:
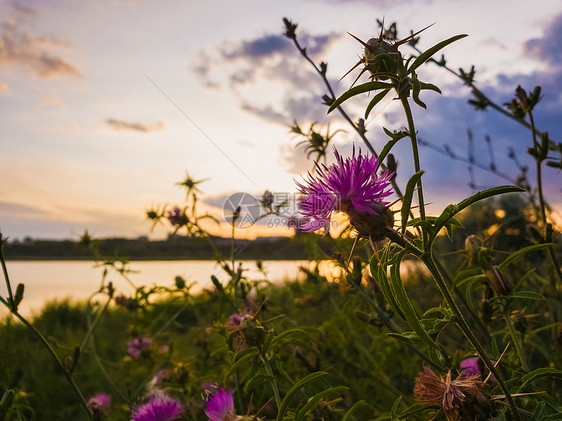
(367, 318)
(216, 283)
(254, 333)
(381, 57)
(498, 282)
(18, 295)
(391, 164)
(180, 282)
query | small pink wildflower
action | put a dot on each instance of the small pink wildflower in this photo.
(137, 345)
(159, 408)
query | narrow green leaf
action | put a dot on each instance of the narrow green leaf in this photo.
(289, 333)
(360, 89)
(538, 373)
(379, 274)
(521, 252)
(414, 409)
(313, 401)
(355, 407)
(405, 304)
(376, 99)
(239, 363)
(452, 210)
(426, 55)
(293, 391)
(407, 199)
(416, 88)
(430, 87)
(539, 411)
(528, 295)
(470, 279)
(395, 406)
(386, 149)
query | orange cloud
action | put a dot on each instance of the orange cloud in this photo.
(136, 127)
(19, 48)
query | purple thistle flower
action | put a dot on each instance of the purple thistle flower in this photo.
(137, 345)
(220, 406)
(159, 408)
(350, 185)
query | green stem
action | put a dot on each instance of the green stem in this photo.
(14, 311)
(539, 171)
(12, 305)
(54, 355)
(333, 96)
(417, 167)
(516, 342)
(107, 378)
(388, 322)
(93, 325)
(463, 301)
(465, 328)
(542, 204)
(273, 382)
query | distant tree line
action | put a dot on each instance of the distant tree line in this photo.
(173, 248)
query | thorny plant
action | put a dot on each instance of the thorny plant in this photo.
(389, 70)
(273, 367)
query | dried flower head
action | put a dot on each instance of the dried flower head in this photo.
(159, 408)
(350, 185)
(450, 394)
(220, 406)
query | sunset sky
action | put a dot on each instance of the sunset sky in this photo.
(105, 105)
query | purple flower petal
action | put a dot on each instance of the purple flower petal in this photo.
(159, 408)
(220, 406)
(349, 182)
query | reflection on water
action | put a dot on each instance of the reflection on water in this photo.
(49, 280)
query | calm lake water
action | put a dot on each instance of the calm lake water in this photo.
(49, 280)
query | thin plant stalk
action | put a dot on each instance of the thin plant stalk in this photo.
(39, 336)
(273, 381)
(415, 152)
(516, 342)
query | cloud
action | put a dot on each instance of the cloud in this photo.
(272, 60)
(4, 89)
(21, 210)
(33, 52)
(121, 125)
(548, 47)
